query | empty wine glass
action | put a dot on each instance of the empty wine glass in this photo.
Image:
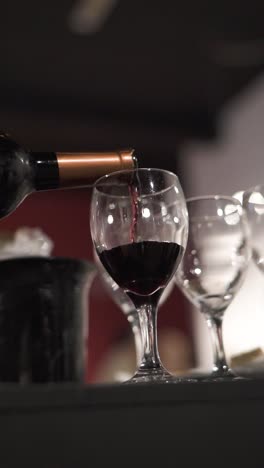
(214, 264)
(123, 301)
(253, 203)
(139, 226)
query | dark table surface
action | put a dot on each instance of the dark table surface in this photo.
(187, 424)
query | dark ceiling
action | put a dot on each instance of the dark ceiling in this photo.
(156, 74)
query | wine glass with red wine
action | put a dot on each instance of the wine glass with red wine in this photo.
(123, 301)
(214, 265)
(139, 226)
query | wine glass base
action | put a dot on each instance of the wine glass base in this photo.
(159, 375)
(219, 376)
(150, 375)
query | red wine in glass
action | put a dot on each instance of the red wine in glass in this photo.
(142, 267)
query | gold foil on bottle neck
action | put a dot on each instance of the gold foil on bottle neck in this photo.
(83, 169)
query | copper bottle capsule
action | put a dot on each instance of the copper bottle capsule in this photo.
(83, 169)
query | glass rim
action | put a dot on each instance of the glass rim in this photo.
(207, 218)
(252, 187)
(135, 170)
(214, 197)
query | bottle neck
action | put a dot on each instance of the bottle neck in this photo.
(46, 171)
(59, 170)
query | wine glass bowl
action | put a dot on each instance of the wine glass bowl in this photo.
(215, 263)
(139, 226)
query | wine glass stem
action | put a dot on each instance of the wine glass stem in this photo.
(215, 325)
(135, 325)
(148, 324)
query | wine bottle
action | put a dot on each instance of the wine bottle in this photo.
(23, 172)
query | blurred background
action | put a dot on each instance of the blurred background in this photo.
(183, 84)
